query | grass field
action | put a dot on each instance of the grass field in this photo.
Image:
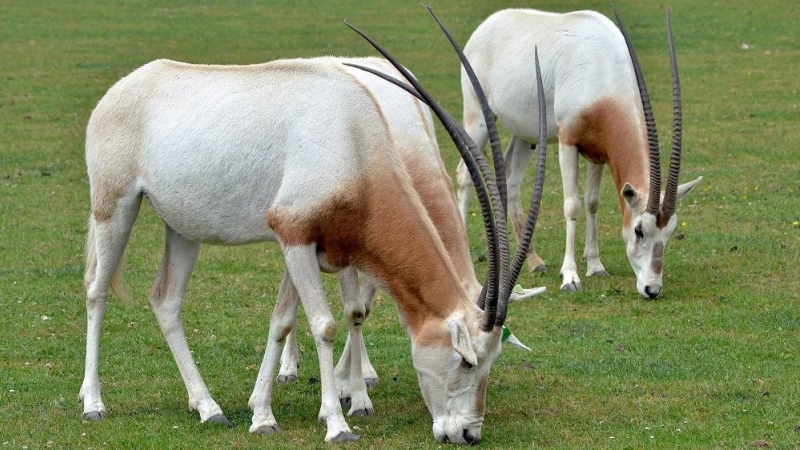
(713, 363)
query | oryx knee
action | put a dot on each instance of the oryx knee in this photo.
(572, 206)
(281, 325)
(592, 203)
(324, 331)
(282, 330)
(356, 315)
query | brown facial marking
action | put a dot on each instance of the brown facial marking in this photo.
(480, 400)
(657, 262)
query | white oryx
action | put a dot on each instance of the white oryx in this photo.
(297, 152)
(595, 109)
(412, 131)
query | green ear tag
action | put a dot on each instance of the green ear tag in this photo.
(506, 334)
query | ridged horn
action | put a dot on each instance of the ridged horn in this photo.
(488, 115)
(650, 122)
(670, 196)
(491, 303)
(536, 200)
(482, 179)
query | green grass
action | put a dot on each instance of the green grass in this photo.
(713, 363)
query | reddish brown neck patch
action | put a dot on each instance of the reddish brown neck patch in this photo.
(383, 229)
(607, 133)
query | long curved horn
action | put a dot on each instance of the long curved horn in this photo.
(650, 122)
(478, 168)
(671, 193)
(488, 115)
(536, 200)
(499, 301)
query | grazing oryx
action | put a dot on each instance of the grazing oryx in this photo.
(595, 109)
(412, 131)
(298, 152)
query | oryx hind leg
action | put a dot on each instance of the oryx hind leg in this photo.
(591, 251)
(105, 246)
(366, 294)
(166, 299)
(517, 157)
(349, 371)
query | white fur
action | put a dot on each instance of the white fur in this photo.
(584, 61)
(412, 130)
(216, 150)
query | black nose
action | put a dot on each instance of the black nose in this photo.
(651, 291)
(469, 438)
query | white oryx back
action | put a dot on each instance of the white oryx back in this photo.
(214, 147)
(584, 61)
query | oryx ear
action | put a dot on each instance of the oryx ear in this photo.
(462, 340)
(684, 188)
(631, 196)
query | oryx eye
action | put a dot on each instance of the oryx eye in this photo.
(638, 231)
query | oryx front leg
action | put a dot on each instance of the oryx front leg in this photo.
(166, 299)
(303, 267)
(105, 246)
(591, 251)
(517, 157)
(568, 161)
(349, 371)
(281, 325)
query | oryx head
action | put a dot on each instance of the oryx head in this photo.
(650, 226)
(453, 356)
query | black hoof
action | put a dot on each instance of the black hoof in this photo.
(345, 437)
(265, 430)
(371, 382)
(93, 416)
(571, 287)
(541, 269)
(287, 378)
(362, 412)
(220, 419)
(601, 273)
(345, 401)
